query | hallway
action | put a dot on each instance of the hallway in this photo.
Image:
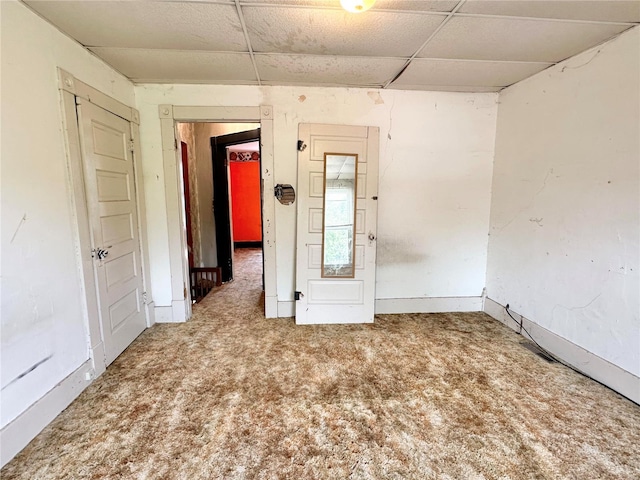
(232, 395)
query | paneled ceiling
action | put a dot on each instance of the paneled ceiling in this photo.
(472, 45)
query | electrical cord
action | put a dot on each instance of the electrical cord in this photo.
(531, 338)
(548, 353)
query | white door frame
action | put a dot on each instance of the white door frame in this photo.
(70, 88)
(179, 267)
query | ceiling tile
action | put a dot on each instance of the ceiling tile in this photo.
(175, 66)
(134, 24)
(409, 5)
(327, 69)
(445, 88)
(608, 10)
(335, 32)
(468, 73)
(486, 38)
(417, 5)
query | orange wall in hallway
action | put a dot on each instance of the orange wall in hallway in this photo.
(245, 201)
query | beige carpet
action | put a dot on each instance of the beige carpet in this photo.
(232, 395)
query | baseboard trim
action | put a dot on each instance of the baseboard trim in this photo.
(428, 305)
(150, 312)
(256, 244)
(176, 313)
(605, 372)
(271, 307)
(98, 359)
(408, 305)
(179, 311)
(286, 309)
(163, 314)
(17, 434)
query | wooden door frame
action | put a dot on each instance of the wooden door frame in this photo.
(70, 89)
(169, 116)
(222, 195)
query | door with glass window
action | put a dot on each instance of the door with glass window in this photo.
(336, 218)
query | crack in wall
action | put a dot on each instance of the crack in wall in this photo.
(386, 148)
(530, 204)
(22, 220)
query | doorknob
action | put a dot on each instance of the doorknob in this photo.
(100, 253)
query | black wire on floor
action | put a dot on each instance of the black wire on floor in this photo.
(547, 352)
(554, 357)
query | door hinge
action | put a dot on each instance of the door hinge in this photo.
(144, 298)
(175, 143)
(297, 295)
(132, 145)
(301, 146)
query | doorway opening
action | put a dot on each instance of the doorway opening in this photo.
(222, 199)
(171, 116)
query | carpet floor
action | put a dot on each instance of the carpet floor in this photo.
(232, 395)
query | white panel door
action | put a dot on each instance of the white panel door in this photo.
(335, 299)
(111, 202)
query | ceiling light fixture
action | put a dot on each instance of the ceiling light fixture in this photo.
(357, 6)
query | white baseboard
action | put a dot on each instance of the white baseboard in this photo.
(408, 305)
(614, 377)
(429, 305)
(175, 313)
(98, 359)
(286, 309)
(272, 307)
(179, 311)
(17, 434)
(163, 314)
(150, 312)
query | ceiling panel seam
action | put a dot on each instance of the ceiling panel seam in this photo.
(475, 60)
(339, 9)
(203, 2)
(246, 37)
(180, 50)
(431, 37)
(544, 19)
(436, 13)
(329, 55)
(594, 47)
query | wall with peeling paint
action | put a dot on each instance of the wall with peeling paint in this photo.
(43, 313)
(436, 158)
(565, 231)
(186, 134)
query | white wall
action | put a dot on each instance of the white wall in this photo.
(565, 229)
(435, 174)
(42, 305)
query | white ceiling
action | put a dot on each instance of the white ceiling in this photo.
(472, 45)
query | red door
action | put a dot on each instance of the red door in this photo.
(187, 201)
